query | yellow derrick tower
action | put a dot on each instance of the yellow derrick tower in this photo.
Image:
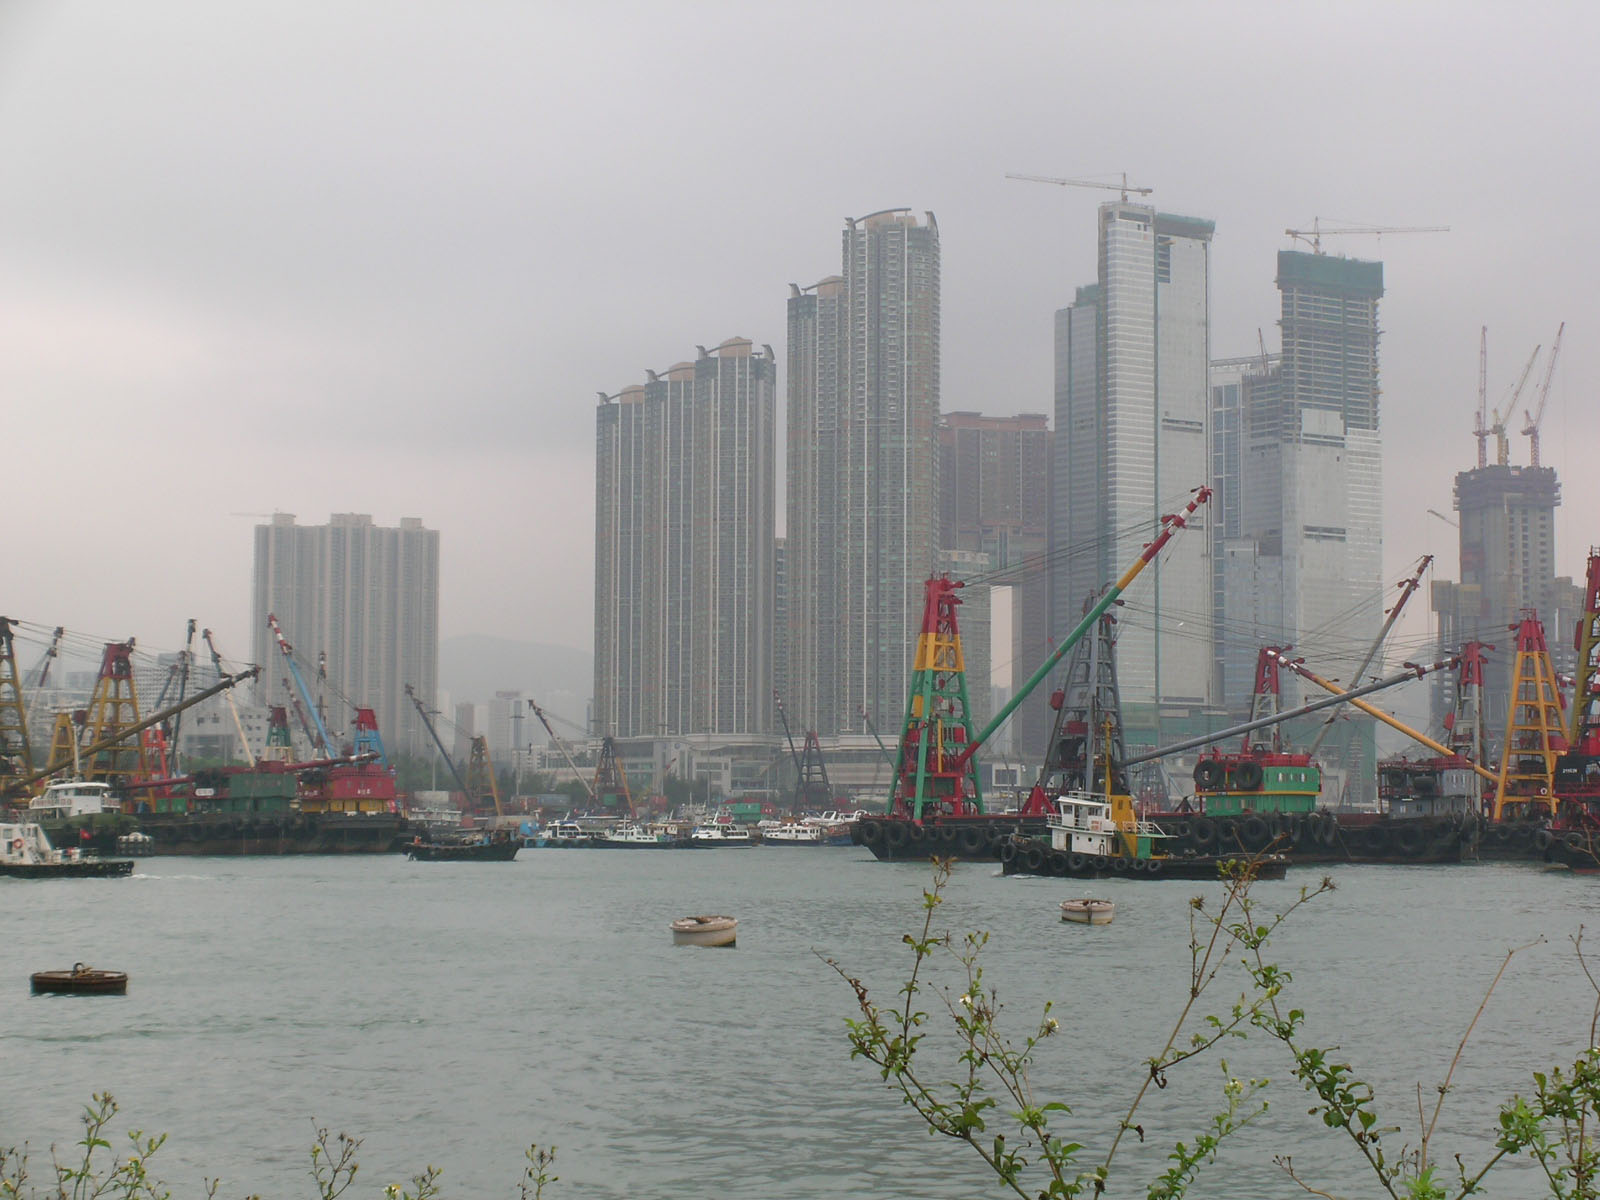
(1535, 729)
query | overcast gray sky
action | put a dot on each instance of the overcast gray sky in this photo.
(380, 256)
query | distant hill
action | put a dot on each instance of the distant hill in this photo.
(474, 667)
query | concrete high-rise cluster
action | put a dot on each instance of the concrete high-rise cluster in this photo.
(366, 597)
(684, 548)
(863, 472)
(1132, 354)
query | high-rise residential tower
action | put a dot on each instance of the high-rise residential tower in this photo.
(365, 596)
(684, 545)
(1131, 443)
(863, 498)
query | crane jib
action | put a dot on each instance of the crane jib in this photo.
(1170, 524)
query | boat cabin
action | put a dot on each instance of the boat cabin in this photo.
(1258, 782)
(75, 798)
(1084, 823)
(1425, 788)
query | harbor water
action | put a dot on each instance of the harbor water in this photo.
(452, 1013)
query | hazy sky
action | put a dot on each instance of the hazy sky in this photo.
(379, 257)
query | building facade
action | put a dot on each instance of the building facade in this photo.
(684, 549)
(863, 472)
(1508, 563)
(360, 599)
(994, 500)
(1131, 443)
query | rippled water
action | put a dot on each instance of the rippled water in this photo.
(452, 1013)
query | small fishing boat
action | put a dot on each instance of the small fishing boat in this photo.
(626, 835)
(80, 981)
(563, 834)
(1087, 911)
(501, 847)
(704, 931)
(721, 835)
(795, 833)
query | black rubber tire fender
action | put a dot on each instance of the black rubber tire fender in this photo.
(974, 840)
(1254, 833)
(1208, 773)
(1410, 840)
(1543, 839)
(1203, 832)
(896, 834)
(1075, 863)
(1574, 841)
(1247, 776)
(870, 834)
(1154, 867)
(1008, 850)
(1033, 859)
(1119, 863)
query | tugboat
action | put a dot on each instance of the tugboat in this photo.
(26, 853)
(499, 846)
(1099, 837)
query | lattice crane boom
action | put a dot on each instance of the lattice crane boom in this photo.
(1124, 187)
(1313, 236)
(1531, 429)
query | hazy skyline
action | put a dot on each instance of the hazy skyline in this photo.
(380, 258)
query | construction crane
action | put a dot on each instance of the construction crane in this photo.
(121, 735)
(216, 661)
(1502, 442)
(1313, 236)
(1480, 420)
(562, 746)
(1122, 187)
(427, 723)
(322, 742)
(1531, 429)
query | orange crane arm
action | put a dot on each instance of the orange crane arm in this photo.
(1438, 748)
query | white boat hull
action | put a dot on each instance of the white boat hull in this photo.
(705, 931)
(1088, 912)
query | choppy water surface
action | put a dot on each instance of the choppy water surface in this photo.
(452, 1013)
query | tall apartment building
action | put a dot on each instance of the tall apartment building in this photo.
(863, 472)
(1131, 443)
(994, 500)
(684, 545)
(365, 596)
